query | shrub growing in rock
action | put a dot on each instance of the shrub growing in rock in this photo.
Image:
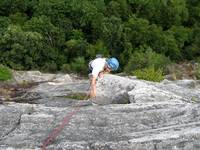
(146, 57)
(5, 73)
(77, 96)
(66, 68)
(150, 74)
(50, 67)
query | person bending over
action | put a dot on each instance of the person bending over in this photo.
(98, 67)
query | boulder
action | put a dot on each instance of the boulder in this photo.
(31, 76)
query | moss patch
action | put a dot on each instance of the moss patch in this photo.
(77, 96)
(194, 99)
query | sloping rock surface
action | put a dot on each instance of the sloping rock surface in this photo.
(132, 114)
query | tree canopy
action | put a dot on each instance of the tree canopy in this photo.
(52, 35)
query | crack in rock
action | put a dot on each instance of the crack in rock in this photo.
(13, 128)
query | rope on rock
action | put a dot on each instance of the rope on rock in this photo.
(65, 121)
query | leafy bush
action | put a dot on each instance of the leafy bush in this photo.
(66, 68)
(98, 48)
(5, 73)
(146, 57)
(79, 65)
(75, 48)
(149, 74)
(50, 67)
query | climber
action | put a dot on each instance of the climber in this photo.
(98, 67)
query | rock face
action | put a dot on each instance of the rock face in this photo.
(132, 114)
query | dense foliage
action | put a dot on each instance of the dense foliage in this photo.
(5, 73)
(53, 35)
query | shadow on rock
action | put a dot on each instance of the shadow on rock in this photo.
(18, 93)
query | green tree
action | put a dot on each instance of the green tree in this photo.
(111, 33)
(79, 65)
(18, 18)
(191, 51)
(194, 11)
(76, 46)
(98, 48)
(8, 7)
(53, 36)
(165, 13)
(20, 49)
(4, 23)
(139, 32)
(145, 57)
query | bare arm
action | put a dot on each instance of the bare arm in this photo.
(105, 71)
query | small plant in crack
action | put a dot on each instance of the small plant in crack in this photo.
(76, 96)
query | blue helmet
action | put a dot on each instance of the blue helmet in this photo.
(113, 64)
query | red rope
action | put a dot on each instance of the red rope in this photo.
(65, 121)
(57, 130)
